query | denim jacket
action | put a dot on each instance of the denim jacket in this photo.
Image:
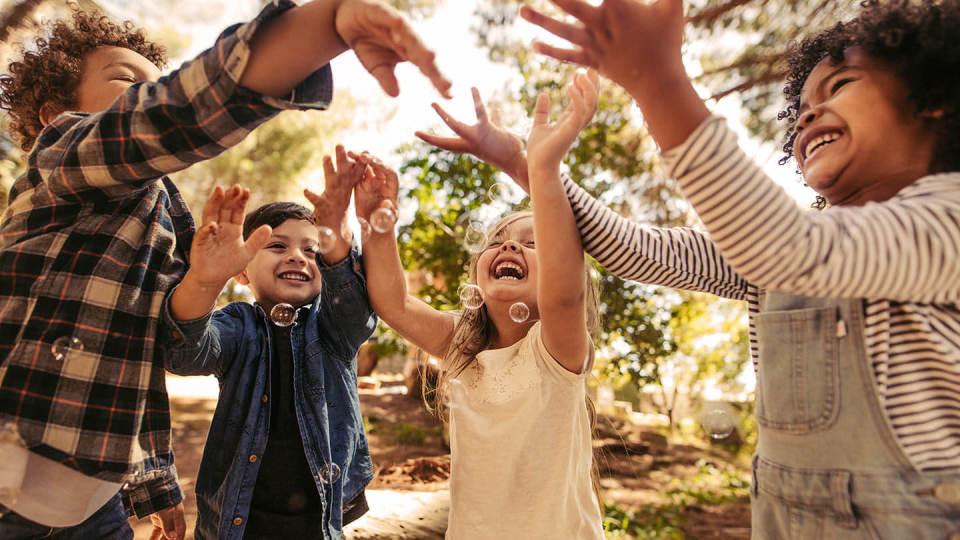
(234, 344)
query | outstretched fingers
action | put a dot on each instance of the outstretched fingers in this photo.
(409, 47)
(541, 111)
(211, 210)
(452, 144)
(572, 32)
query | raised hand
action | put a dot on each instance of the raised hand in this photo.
(379, 188)
(330, 207)
(381, 39)
(632, 42)
(169, 524)
(487, 140)
(219, 251)
(549, 142)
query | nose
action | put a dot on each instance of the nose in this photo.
(511, 246)
(808, 118)
(297, 256)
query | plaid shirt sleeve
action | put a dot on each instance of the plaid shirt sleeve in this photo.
(93, 239)
(160, 492)
(156, 128)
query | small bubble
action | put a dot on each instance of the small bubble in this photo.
(329, 473)
(519, 312)
(64, 345)
(504, 192)
(365, 228)
(475, 238)
(283, 315)
(453, 394)
(718, 423)
(383, 219)
(471, 297)
(346, 232)
(327, 239)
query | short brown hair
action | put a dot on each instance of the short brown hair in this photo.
(52, 72)
(275, 214)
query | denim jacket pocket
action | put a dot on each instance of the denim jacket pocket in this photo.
(797, 378)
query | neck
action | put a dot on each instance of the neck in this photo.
(506, 332)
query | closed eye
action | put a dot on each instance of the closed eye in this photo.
(840, 83)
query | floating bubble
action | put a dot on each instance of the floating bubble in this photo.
(346, 232)
(383, 219)
(326, 239)
(365, 228)
(64, 345)
(519, 312)
(283, 315)
(453, 394)
(14, 465)
(329, 473)
(504, 192)
(475, 237)
(471, 297)
(718, 423)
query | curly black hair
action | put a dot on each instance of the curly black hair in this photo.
(52, 72)
(918, 38)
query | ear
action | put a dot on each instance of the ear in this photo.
(242, 278)
(48, 112)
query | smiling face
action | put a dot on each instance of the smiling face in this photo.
(507, 268)
(107, 72)
(858, 138)
(285, 269)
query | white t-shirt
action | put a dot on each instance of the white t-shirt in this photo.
(521, 448)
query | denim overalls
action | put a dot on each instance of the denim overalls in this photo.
(827, 464)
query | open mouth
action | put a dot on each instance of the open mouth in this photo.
(508, 270)
(294, 276)
(820, 142)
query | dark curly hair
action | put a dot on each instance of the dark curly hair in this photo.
(51, 73)
(918, 38)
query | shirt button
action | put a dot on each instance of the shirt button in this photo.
(253, 458)
(238, 520)
(948, 493)
(265, 398)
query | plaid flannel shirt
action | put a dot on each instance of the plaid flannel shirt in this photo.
(94, 237)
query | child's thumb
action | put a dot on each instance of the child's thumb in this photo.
(258, 239)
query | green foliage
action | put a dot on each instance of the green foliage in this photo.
(713, 484)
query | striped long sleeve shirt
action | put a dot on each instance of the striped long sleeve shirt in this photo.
(901, 256)
(93, 239)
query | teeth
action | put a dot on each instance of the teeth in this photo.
(293, 275)
(819, 142)
(498, 271)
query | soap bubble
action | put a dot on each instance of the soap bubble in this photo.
(475, 237)
(383, 219)
(327, 239)
(719, 423)
(329, 473)
(471, 297)
(283, 315)
(519, 312)
(64, 345)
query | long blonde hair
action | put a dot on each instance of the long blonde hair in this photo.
(473, 332)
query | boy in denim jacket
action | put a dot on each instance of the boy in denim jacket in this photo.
(286, 455)
(96, 235)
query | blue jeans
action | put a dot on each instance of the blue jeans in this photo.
(108, 523)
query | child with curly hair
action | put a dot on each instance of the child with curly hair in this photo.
(854, 325)
(96, 235)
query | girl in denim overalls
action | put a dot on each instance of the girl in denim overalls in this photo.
(855, 329)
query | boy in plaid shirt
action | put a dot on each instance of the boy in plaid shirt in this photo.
(95, 236)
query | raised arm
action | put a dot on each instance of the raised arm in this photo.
(306, 38)
(900, 249)
(675, 257)
(561, 289)
(218, 253)
(415, 320)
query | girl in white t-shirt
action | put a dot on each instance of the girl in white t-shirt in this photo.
(513, 378)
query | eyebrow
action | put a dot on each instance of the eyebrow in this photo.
(839, 69)
(286, 238)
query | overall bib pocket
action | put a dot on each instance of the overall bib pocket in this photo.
(798, 379)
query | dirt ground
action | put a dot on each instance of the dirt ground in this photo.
(409, 497)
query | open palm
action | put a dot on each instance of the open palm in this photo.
(487, 140)
(219, 251)
(549, 141)
(379, 188)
